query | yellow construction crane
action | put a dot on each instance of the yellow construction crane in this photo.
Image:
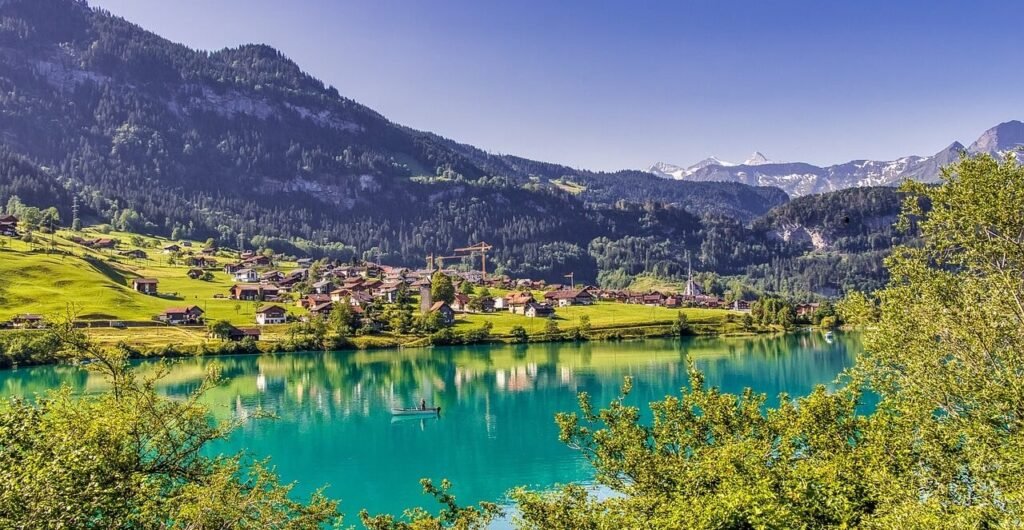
(481, 248)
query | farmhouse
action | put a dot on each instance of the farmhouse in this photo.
(8, 225)
(182, 315)
(271, 314)
(568, 297)
(145, 285)
(254, 292)
(246, 275)
(172, 249)
(446, 311)
(28, 321)
(534, 310)
(194, 273)
(461, 303)
(518, 300)
(201, 262)
(238, 334)
(134, 254)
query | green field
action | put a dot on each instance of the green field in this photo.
(96, 285)
(56, 275)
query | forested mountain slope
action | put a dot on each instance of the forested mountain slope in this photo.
(241, 145)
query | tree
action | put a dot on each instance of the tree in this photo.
(857, 309)
(681, 326)
(551, 328)
(518, 334)
(342, 319)
(441, 288)
(130, 457)
(220, 329)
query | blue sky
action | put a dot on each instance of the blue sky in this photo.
(609, 85)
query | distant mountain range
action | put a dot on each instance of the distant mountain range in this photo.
(798, 178)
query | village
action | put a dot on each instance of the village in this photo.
(269, 291)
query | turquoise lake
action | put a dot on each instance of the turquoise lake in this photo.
(496, 430)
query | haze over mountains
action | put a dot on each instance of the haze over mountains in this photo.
(798, 178)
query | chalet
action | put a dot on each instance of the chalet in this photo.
(103, 242)
(254, 292)
(28, 321)
(518, 300)
(293, 277)
(338, 295)
(271, 314)
(322, 310)
(133, 254)
(653, 299)
(313, 300)
(360, 299)
(741, 305)
(195, 274)
(209, 251)
(568, 297)
(186, 243)
(239, 334)
(673, 301)
(323, 287)
(372, 271)
(258, 261)
(145, 285)
(535, 310)
(806, 310)
(8, 225)
(232, 268)
(246, 254)
(304, 262)
(182, 315)
(461, 303)
(388, 294)
(446, 311)
(172, 249)
(499, 303)
(201, 262)
(246, 275)
(272, 276)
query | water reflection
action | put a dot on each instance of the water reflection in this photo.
(496, 430)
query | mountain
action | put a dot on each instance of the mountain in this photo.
(799, 179)
(243, 146)
(757, 159)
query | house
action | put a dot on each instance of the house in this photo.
(272, 276)
(172, 249)
(258, 261)
(568, 297)
(653, 299)
(145, 285)
(8, 225)
(28, 321)
(246, 275)
(195, 274)
(806, 310)
(201, 262)
(673, 301)
(304, 262)
(182, 315)
(134, 254)
(254, 292)
(103, 242)
(446, 311)
(186, 243)
(313, 300)
(741, 305)
(232, 268)
(271, 314)
(535, 310)
(461, 303)
(518, 300)
(499, 303)
(323, 287)
(322, 310)
(238, 334)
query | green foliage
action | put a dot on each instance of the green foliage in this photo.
(857, 309)
(450, 516)
(220, 329)
(441, 288)
(518, 334)
(130, 458)
(681, 325)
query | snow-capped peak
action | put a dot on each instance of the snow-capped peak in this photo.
(757, 159)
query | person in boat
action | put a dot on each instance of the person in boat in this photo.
(423, 404)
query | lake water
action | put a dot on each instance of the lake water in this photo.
(496, 430)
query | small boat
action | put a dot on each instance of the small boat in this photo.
(429, 411)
